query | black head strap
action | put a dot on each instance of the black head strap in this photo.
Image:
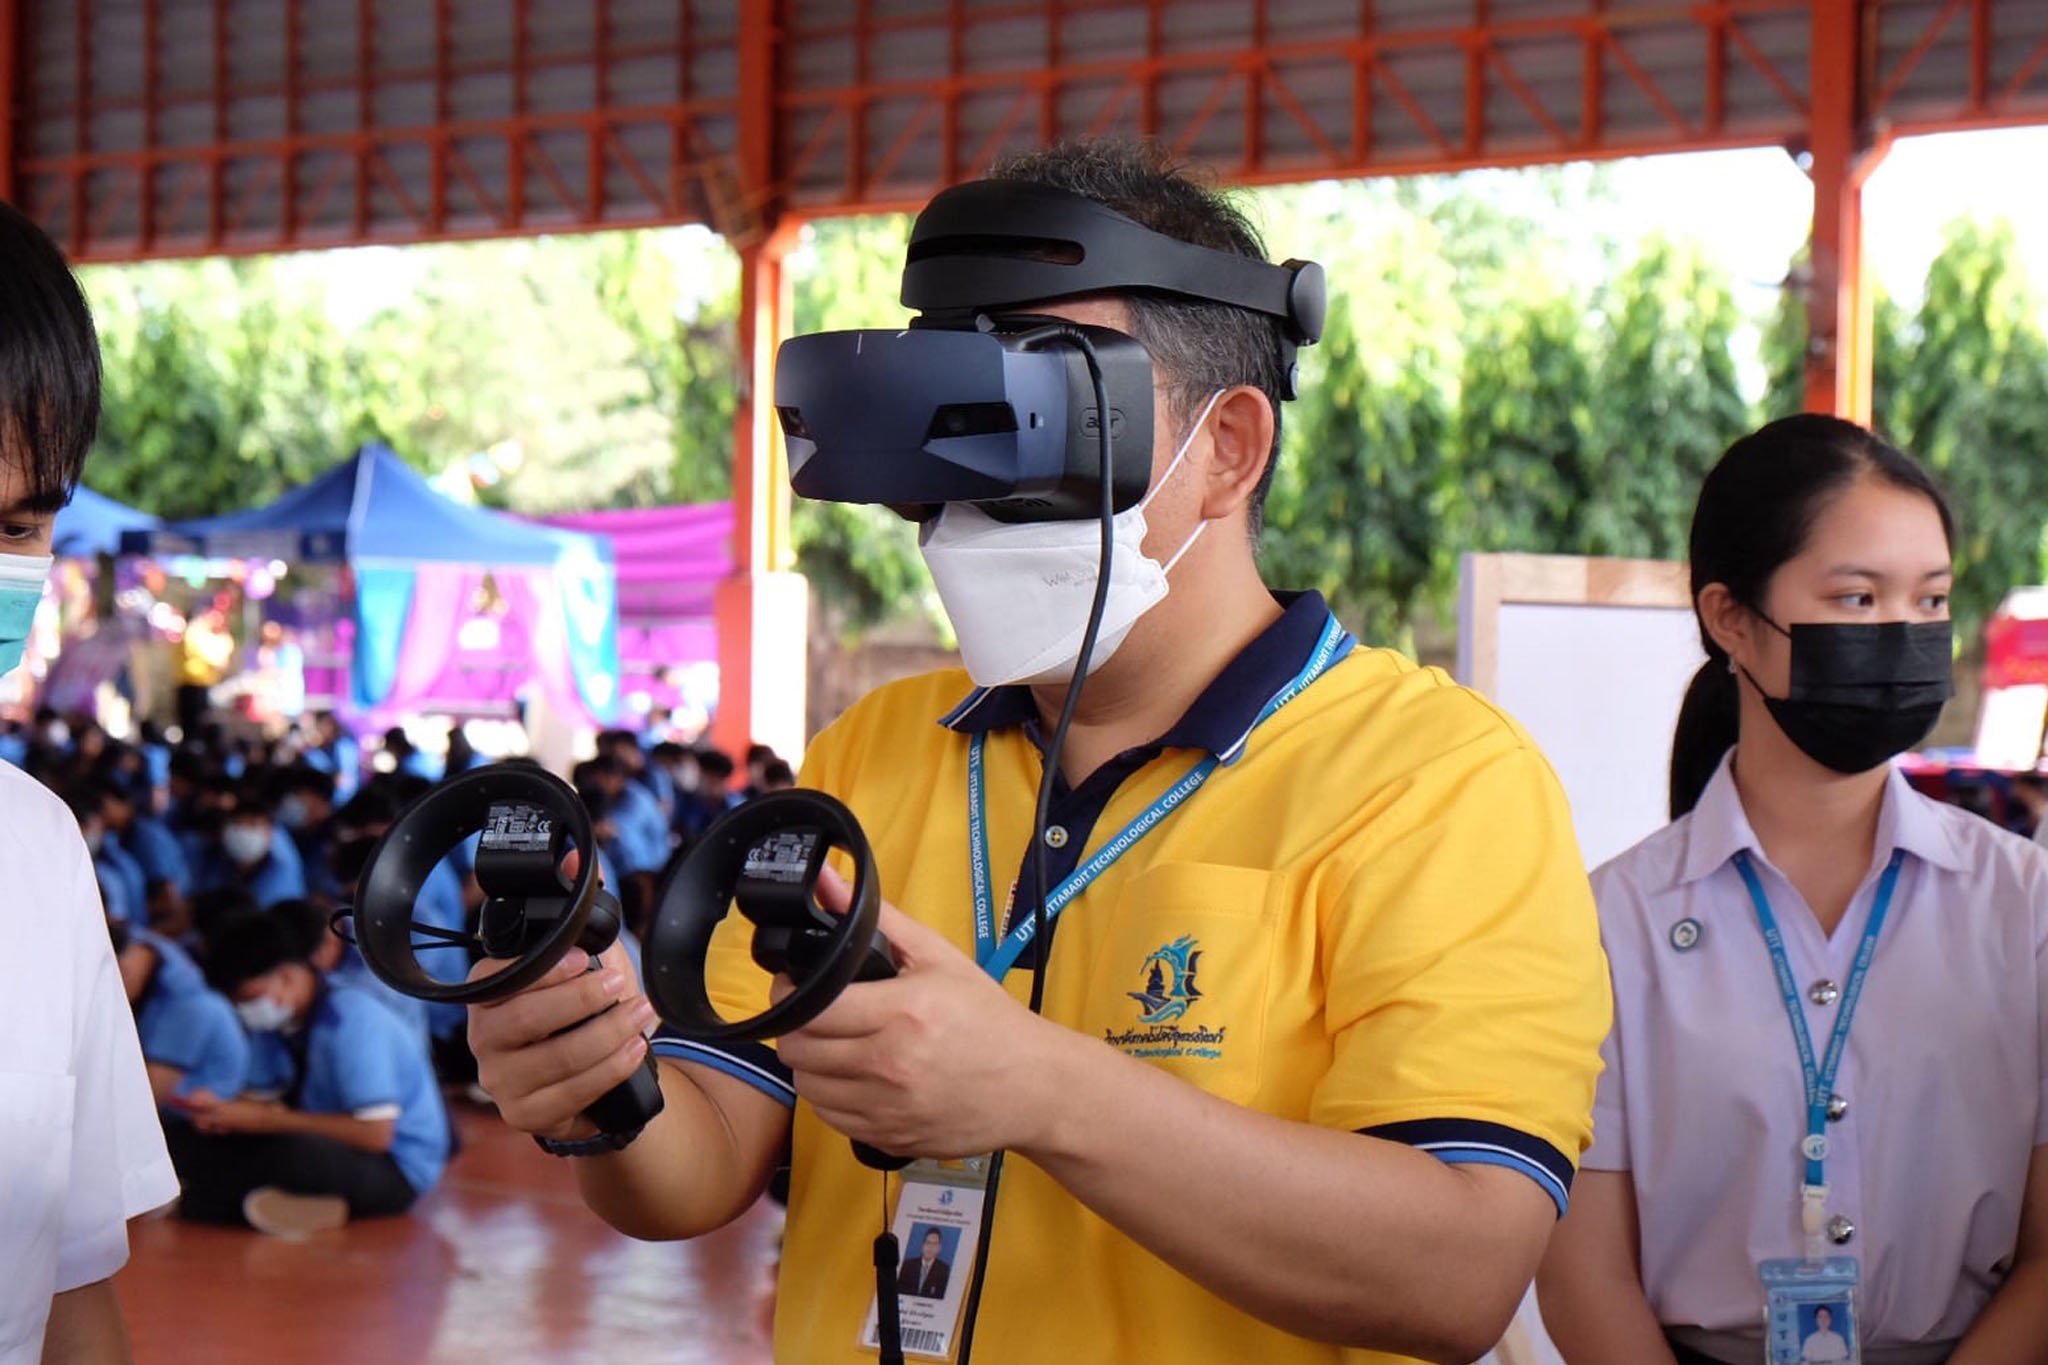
(995, 244)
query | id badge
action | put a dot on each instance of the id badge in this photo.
(938, 1230)
(1810, 1311)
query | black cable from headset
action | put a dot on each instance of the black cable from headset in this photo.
(1040, 941)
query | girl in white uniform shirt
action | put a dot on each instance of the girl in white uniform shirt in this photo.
(1820, 574)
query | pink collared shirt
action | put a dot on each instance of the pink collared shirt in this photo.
(1947, 1060)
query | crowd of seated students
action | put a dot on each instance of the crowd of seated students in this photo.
(297, 1090)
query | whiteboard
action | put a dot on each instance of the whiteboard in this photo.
(1593, 658)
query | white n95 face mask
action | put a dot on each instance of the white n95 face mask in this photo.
(263, 1014)
(1018, 594)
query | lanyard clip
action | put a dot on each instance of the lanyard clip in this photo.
(1813, 1220)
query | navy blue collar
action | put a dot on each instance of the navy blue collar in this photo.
(1221, 718)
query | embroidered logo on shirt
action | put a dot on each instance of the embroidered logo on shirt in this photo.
(1169, 981)
(1171, 990)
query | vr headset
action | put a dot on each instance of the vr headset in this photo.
(980, 400)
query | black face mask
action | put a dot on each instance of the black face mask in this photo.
(1862, 695)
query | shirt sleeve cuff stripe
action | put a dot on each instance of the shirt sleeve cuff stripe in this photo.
(765, 1074)
(1471, 1141)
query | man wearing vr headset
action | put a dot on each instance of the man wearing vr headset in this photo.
(1317, 1048)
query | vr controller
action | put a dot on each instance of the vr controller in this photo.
(533, 912)
(970, 403)
(766, 857)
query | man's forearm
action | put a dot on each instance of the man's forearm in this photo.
(1331, 1235)
(86, 1328)
(701, 1163)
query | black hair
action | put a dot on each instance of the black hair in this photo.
(84, 802)
(715, 764)
(1198, 347)
(407, 788)
(668, 751)
(369, 806)
(246, 946)
(49, 363)
(307, 921)
(1756, 511)
(218, 906)
(396, 741)
(777, 772)
(304, 777)
(254, 797)
(461, 753)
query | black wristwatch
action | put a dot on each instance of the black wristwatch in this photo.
(601, 1145)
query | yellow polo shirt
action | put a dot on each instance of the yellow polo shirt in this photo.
(1395, 936)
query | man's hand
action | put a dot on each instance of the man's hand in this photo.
(542, 1077)
(940, 1061)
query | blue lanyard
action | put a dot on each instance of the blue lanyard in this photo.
(997, 958)
(1820, 1079)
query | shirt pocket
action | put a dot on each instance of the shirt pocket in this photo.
(1182, 976)
(35, 1177)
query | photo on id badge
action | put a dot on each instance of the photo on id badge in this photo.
(1811, 1308)
(937, 1226)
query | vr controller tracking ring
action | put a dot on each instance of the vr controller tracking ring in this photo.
(766, 856)
(524, 813)
(533, 913)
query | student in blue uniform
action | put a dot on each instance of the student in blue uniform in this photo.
(192, 1042)
(305, 809)
(361, 1131)
(441, 903)
(166, 875)
(254, 853)
(119, 880)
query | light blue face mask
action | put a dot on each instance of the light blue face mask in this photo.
(21, 592)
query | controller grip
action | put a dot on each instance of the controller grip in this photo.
(879, 964)
(875, 1159)
(631, 1104)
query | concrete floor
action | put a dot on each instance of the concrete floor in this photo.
(501, 1265)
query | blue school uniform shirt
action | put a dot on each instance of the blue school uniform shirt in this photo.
(440, 904)
(156, 759)
(150, 842)
(183, 1023)
(115, 864)
(279, 877)
(114, 893)
(360, 1060)
(355, 972)
(642, 845)
(345, 762)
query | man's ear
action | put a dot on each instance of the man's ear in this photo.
(1241, 442)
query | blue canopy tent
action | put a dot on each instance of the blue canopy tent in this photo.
(381, 518)
(92, 524)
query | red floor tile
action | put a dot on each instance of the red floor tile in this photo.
(502, 1265)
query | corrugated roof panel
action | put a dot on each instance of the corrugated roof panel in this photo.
(1405, 85)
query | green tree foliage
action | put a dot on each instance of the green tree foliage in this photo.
(1974, 405)
(1525, 425)
(1358, 503)
(1962, 383)
(1669, 401)
(677, 296)
(1496, 376)
(225, 385)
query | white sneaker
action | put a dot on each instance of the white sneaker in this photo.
(284, 1214)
